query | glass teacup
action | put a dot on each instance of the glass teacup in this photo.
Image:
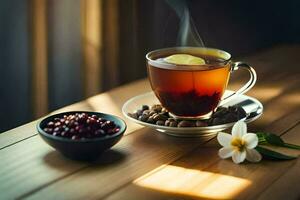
(193, 90)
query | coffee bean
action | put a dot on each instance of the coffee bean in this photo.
(171, 119)
(160, 117)
(159, 113)
(146, 112)
(160, 123)
(156, 108)
(232, 109)
(163, 117)
(185, 123)
(155, 117)
(145, 107)
(164, 110)
(217, 121)
(167, 123)
(241, 113)
(217, 114)
(201, 123)
(133, 115)
(139, 112)
(140, 118)
(221, 111)
(173, 124)
(143, 118)
(150, 120)
(152, 112)
(230, 117)
(165, 114)
(221, 108)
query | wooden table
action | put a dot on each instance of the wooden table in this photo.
(146, 164)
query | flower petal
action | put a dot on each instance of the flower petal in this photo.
(224, 139)
(253, 155)
(239, 129)
(225, 152)
(251, 140)
(238, 156)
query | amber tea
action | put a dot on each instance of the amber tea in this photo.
(189, 90)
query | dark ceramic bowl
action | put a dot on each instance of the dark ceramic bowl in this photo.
(88, 149)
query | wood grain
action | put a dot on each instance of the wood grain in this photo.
(99, 178)
(17, 134)
(135, 154)
(204, 160)
(30, 164)
(110, 102)
(31, 169)
(287, 186)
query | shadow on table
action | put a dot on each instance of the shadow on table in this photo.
(56, 160)
(110, 157)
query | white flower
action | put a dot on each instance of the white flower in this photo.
(240, 145)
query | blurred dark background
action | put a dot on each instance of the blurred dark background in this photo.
(56, 52)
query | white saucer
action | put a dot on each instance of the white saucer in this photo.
(252, 106)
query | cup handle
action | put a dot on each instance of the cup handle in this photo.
(235, 66)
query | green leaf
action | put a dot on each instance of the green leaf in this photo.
(274, 140)
(292, 146)
(274, 154)
(261, 136)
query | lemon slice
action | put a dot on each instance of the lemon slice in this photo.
(184, 59)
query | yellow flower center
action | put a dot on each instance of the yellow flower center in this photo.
(238, 144)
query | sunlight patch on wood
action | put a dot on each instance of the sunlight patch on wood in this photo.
(192, 182)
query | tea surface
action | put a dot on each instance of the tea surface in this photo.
(189, 90)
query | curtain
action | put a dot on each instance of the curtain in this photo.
(15, 70)
(57, 52)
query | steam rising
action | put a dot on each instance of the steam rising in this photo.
(188, 34)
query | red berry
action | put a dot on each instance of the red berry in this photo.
(75, 137)
(50, 124)
(81, 126)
